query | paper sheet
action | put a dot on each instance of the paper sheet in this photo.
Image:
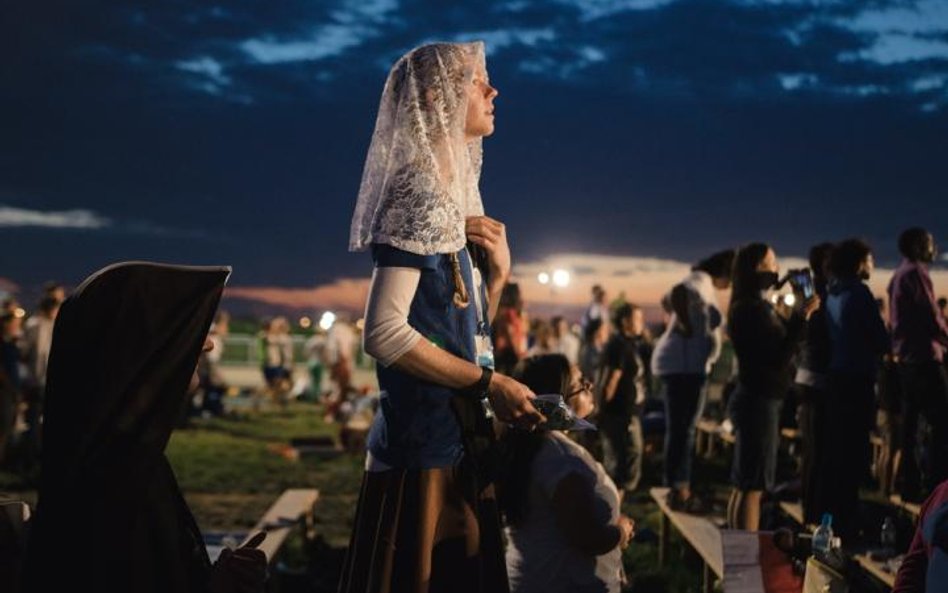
(741, 555)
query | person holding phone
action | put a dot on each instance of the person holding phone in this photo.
(123, 361)
(812, 385)
(764, 344)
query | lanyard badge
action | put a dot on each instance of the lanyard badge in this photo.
(483, 345)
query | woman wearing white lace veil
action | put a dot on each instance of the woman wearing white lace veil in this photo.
(427, 519)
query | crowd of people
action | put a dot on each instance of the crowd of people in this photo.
(26, 343)
(482, 471)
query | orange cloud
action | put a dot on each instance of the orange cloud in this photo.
(8, 286)
(643, 280)
(344, 294)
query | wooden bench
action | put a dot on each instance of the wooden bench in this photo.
(294, 508)
(700, 533)
(912, 508)
(876, 569)
(794, 510)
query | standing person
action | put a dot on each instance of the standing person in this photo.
(213, 384)
(544, 339)
(812, 384)
(317, 355)
(55, 291)
(919, 339)
(595, 337)
(764, 344)
(682, 359)
(278, 366)
(564, 526)
(623, 389)
(341, 343)
(10, 376)
(427, 518)
(597, 309)
(510, 329)
(125, 349)
(858, 341)
(37, 340)
(567, 343)
(889, 415)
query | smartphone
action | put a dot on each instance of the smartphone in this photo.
(803, 282)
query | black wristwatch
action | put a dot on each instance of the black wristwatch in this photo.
(479, 389)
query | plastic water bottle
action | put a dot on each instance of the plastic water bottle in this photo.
(887, 535)
(823, 536)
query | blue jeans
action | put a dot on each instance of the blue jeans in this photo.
(684, 404)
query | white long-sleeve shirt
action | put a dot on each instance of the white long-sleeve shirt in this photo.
(678, 354)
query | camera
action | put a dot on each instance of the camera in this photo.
(801, 280)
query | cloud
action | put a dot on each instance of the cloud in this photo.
(642, 280)
(891, 49)
(596, 9)
(83, 219)
(929, 83)
(350, 25)
(61, 219)
(206, 66)
(8, 286)
(737, 49)
(346, 294)
(917, 18)
(209, 76)
(323, 42)
(500, 39)
(209, 73)
(797, 80)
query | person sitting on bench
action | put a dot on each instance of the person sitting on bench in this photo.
(110, 516)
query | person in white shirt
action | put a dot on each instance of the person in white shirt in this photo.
(682, 359)
(564, 529)
(567, 343)
(597, 309)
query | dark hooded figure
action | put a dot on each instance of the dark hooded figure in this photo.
(110, 515)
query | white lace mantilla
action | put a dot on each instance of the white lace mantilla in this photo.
(421, 176)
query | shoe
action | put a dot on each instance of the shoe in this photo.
(694, 505)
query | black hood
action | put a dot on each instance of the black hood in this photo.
(125, 347)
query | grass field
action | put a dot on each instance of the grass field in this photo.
(231, 471)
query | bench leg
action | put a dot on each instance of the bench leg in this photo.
(663, 535)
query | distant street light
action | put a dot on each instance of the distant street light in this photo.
(306, 322)
(561, 278)
(326, 321)
(544, 278)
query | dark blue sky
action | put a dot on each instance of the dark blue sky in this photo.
(235, 133)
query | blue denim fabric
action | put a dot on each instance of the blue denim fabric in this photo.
(416, 427)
